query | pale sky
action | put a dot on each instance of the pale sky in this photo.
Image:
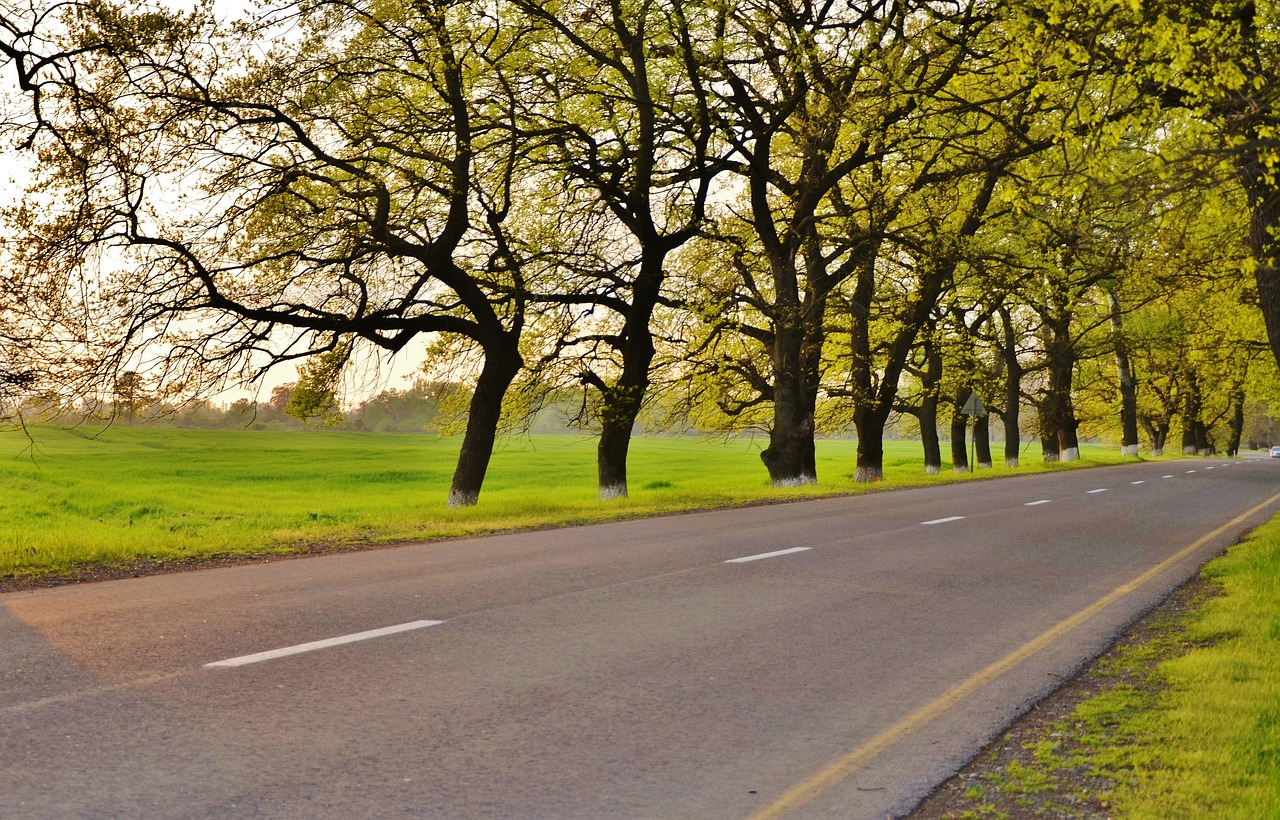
(371, 378)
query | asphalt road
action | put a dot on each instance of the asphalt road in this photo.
(622, 670)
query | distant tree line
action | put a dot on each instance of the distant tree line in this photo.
(423, 407)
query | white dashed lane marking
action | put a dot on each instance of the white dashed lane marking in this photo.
(1037, 503)
(1099, 490)
(764, 555)
(298, 649)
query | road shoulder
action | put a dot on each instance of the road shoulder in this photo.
(1038, 767)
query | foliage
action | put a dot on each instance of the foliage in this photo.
(314, 396)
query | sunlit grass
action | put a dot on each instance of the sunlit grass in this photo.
(1187, 721)
(92, 496)
(1211, 745)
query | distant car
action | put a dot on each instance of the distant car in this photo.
(1275, 451)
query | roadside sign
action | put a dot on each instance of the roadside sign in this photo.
(973, 407)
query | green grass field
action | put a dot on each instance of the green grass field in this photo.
(89, 496)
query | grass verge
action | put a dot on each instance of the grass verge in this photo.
(1181, 719)
(88, 497)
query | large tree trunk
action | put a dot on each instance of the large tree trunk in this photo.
(1128, 385)
(1203, 446)
(499, 370)
(1236, 425)
(1188, 438)
(1258, 175)
(1158, 425)
(928, 415)
(930, 441)
(611, 454)
(1068, 443)
(1012, 391)
(959, 434)
(1062, 362)
(1158, 433)
(1265, 246)
(811, 360)
(1190, 417)
(797, 348)
(982, 441)
(796, 317)
(870, 427)
(1049, 443)
(1235, 421)
(1012, 437)
(623, 399)
(789, 455)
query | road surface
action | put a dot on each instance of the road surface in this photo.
(832, 658)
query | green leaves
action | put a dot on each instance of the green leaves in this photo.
(315, 395)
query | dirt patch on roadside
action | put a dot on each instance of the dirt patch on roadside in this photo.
(1009, 777)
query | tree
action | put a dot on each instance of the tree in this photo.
(314, 397)
(871, 141)
(1076, 247)
(130, 395)
(928, 371)
(804, 89)
(970, 164)
(280, 395)
(351, 187)
(1231, 80)
(620, 116)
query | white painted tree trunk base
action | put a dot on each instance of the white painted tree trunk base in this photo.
(1050, 457)
(612, 491)
(956, 468)
(461, 499)
(1071, 454)
(1189, 451)
(796, 481)
(984, 465)
(932, 469)
(866, 475)
(1011, 462)
(1129, 450)
(1157, 452)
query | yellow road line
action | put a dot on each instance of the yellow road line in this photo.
(802, 793)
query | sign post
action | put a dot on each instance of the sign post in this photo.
(973, 407)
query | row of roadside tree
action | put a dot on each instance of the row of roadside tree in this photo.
(776, 215)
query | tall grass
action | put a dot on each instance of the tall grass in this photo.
(93, 496)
